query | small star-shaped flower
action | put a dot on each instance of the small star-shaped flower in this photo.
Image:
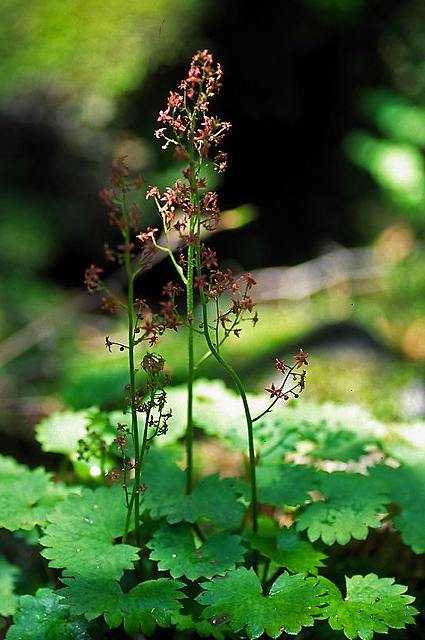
(301, 359)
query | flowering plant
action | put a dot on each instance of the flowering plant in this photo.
(151, 545)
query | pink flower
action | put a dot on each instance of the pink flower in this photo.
(275, 392)
(152, 192)
(301, 358)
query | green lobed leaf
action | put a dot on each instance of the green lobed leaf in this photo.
(293, 602)
(211, 399)
(92, 595)
(352, 503)
(45, 616)
(173, 547)
(343, 445)
(212, 499)
(407, 488)
(148, 604)
(372, 605)
(61, 431)
(80, 536)
(334, 432)
(287, 549)
(26, 496)
(285, 484)
(8, 598)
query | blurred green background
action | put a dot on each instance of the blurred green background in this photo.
(325, 191)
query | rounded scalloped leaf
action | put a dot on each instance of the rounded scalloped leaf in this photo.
(80, 536)
(26, 495)
(407, 488)
(336, 432)
(372, 605)
(287, 549)
(212, 499)
(46, 615)
(352, 504)
(143, 607)
(293, 602)
(61, 431)
(173, 547)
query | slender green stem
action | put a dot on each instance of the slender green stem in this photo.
(217, 337)
(282, 386)
(232, 373)
(134, 421)
(135, 497)
(128, 516)
(170, 254)
(146, 428)
(190, 370)
(208, 353)
(189, 316)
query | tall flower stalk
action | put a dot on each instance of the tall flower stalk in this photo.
(146, 404)
(189, 209)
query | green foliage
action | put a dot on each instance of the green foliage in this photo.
(120, 552)
(61, 431)
(289, 484)
(85, 437)
(211, 398)
(81, 532)
(143, 607)
(407, 490)
(331, 431)
(395, 116)
(334, 432)
(212, 499)
(46, 616)
(397, 167)
(8, 577)
(94, 381)
(26, 496)
(203, 628)
(176, 550)
(372, 605)
(33, 233)
(52, 42)
(293, 602)
(351, 504)
(286, 548)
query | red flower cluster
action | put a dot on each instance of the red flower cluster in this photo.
(92, 278)
(149, 325)
(285, 390)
